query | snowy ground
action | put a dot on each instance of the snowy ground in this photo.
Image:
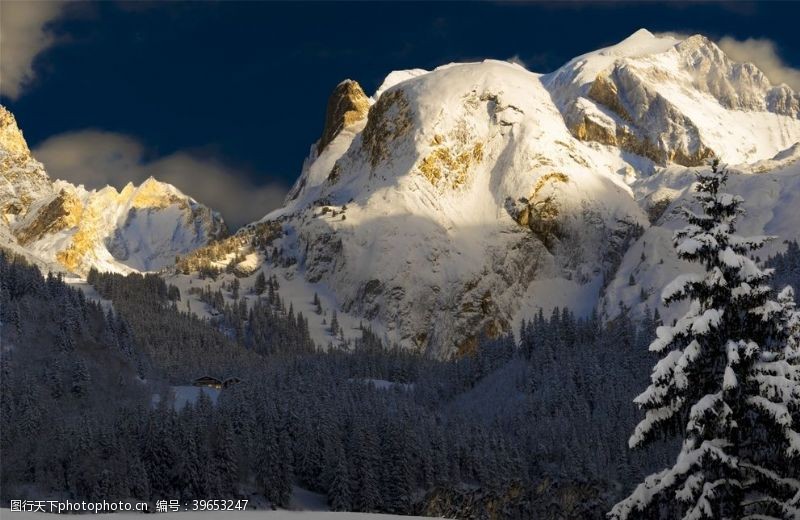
(6, 514)
(190, 394)
(382, 384)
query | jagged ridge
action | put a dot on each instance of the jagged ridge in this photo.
(66, 227)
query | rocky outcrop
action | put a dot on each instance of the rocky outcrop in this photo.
(540, 210)
(11, 139)
(63, 212)
(347, 105)
(389, 120)
(445, 162)
(647, 124)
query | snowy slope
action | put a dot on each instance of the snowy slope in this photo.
(294, 290)
(468, 196)
(771, 193)
(66, 227)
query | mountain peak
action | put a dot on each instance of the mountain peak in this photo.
(347, 105)
(23, 179)
(11, 138)
(699, 47)
(641, 43)
(152, 193)
(640, 36)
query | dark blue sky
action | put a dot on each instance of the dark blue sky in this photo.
(247, 83)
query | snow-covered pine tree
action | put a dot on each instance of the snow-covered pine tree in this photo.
(334, 323)
(225, 462)
(340, 490)
(235, 289)
(261, 283)
(729, 380)
(365, 459)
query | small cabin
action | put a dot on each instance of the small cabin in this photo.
(230, 382)
(207, 381)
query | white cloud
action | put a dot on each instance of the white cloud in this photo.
(517, 60)
(672, 34)
(96, 159)
(23, 35)
(763, 54)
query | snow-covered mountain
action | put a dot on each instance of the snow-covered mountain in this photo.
(675, 101)
(457, 201)
(68, 228)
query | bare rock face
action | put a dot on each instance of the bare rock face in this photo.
(347, 105)
(62, 212)
(389, 121)
(650, 125)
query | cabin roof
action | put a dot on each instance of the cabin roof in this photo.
(217, 381)
(207, 378)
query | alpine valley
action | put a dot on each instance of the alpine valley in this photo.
(452, 203)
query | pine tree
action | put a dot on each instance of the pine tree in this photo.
(261, 283)
(137, 479)
(80, 378)
(15, 320)
(189, 466)
(283, 472)
(235, 289)
(334, 323)
(339, 493)
(396, 482)
(53, 373)
(729, 369)
(366, 495)
(225, 459)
